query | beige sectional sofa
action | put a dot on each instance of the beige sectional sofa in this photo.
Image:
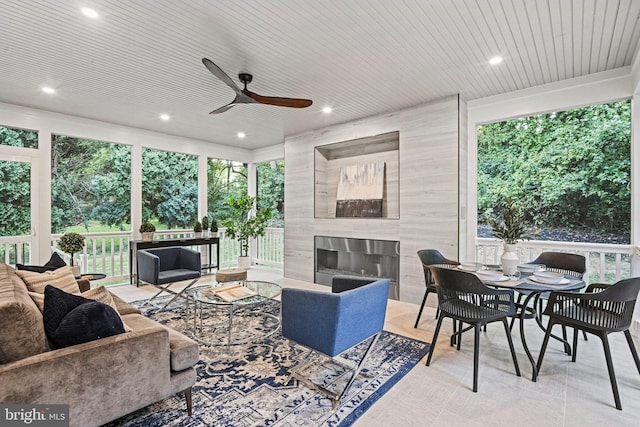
(101, 380)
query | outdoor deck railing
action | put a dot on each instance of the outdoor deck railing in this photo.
(108, 253)
(605, 263)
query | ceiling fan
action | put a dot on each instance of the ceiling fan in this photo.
(245, 96)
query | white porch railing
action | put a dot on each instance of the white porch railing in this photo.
(270, 248)
(606, 263)
(15, 250)
(108, 253)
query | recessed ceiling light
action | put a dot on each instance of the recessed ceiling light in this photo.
(327, 110)
(495, 60)
(164, 117)
(89, 13)
(241, 135)
(49, 90)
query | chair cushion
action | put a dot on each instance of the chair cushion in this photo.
(21, 328)
(72, 319)
(171, 276)
(54, 263)
(61, 278)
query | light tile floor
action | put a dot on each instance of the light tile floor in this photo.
(566, 393)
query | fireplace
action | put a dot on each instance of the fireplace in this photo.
(341, 256)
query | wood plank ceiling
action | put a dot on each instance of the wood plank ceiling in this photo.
(141, 58)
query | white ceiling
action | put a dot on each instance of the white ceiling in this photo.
(141, 58)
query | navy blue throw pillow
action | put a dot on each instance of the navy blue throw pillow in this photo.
(72, 319)
(54, 263)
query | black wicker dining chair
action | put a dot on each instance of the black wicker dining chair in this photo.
(601, 310)
(430, 257)
(464, 298)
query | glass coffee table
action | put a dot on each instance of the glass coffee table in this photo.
(245, 320)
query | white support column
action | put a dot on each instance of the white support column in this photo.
(136, 191)
(252, 190)
(635, 199)
(41, 199)
(202, 186)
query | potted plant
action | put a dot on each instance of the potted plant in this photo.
(72, 243)
(245, 224)
(147, 229)
(197, 229)
(205, 226)
(510, 229)
(214, 227)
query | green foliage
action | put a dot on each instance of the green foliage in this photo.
(214, 225)
(71, 243)
(18, 137)
(197, 227)
(147, 227)
(244, 225)
(179, 203)
(169, 187)
(90, 180)
(568, 169)
(225, 179)
(15, 198)
(511, 227)
(271, 190)
(15, 184)
(205, 223)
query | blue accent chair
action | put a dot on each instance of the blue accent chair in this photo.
(331, 323)
(162, 267)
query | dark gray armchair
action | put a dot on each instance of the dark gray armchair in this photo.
(163, 267)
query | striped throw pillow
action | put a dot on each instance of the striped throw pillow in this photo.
(62, 278)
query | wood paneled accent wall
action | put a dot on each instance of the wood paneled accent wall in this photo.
(429, 191)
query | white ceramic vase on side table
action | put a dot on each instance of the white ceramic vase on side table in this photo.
(510, 259)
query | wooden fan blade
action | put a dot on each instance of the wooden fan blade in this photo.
(281, 102)
(217, 71)
(223, 109)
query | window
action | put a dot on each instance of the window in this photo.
(169, 189)
(569, 171)
(271, 190)
(18, 137)
(225, 179)
(15, 198)
(90, 185)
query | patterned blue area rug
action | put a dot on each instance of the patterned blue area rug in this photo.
(248, 384)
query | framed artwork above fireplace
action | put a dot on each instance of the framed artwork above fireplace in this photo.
(358, 178)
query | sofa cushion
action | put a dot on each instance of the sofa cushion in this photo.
(72, 319)
(123, 307)
(184, 352)
(100, 294)
(21, 328)
(54, 263)
(61, 278)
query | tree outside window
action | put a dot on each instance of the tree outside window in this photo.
(169, 189)
(90, 185)
(569, 171)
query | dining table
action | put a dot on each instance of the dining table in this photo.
(534, 290)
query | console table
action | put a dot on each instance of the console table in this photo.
(136, 245)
